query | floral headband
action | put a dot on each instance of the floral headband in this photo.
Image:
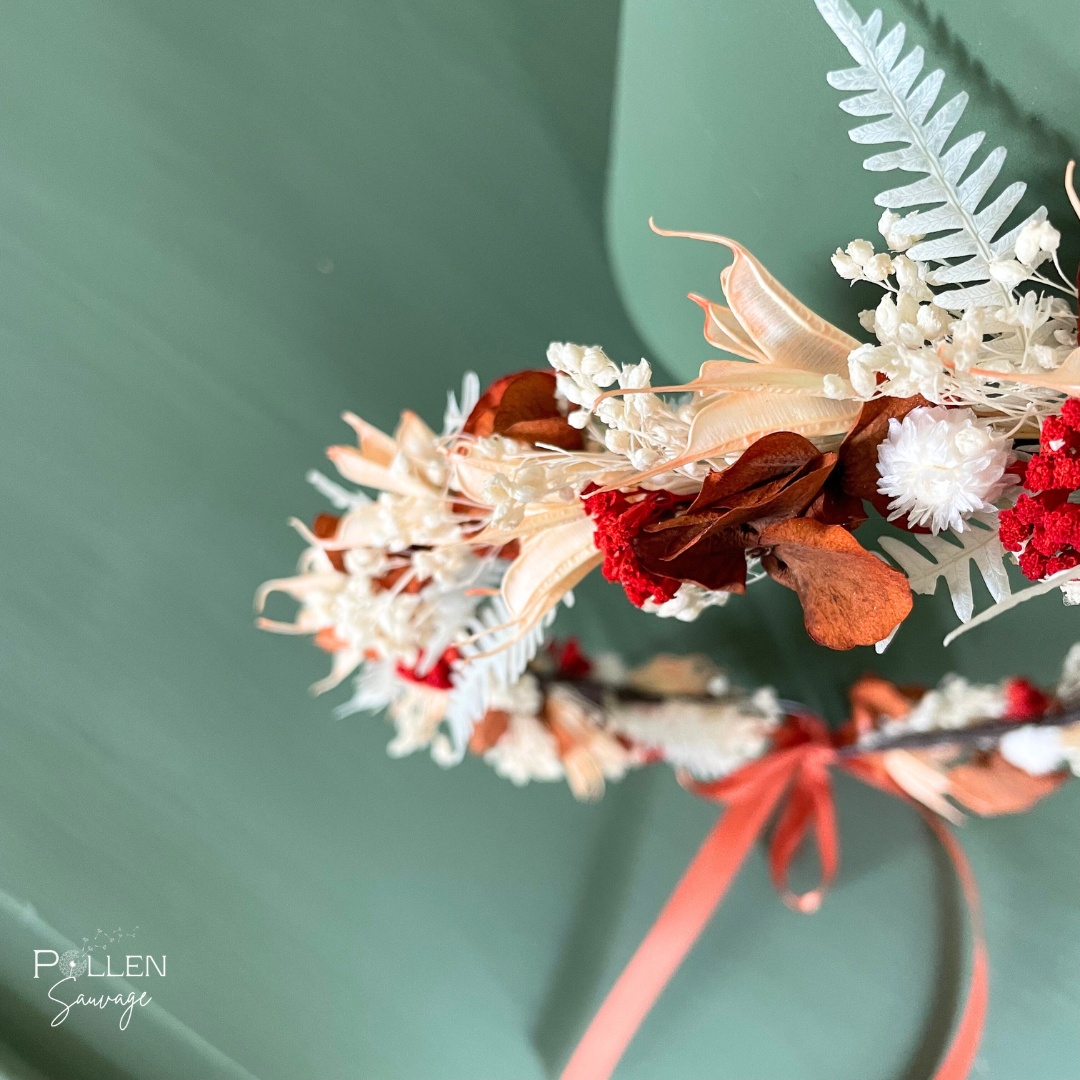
(959, 422)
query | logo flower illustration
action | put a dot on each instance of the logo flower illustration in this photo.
(73, 963)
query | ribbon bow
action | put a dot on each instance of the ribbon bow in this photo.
(798, 765)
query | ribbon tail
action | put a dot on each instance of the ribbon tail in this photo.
(678, 926)
(965, 1044)
(959, 1058)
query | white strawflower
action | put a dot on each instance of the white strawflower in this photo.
(941, 465)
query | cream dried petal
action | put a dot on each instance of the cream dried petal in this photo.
(374, 444)
(785, 330)
(551, 563)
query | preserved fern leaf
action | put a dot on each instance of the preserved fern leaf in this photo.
(967, 242)
(952, 561)
(501, 666)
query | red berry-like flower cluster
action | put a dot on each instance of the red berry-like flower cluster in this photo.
(1025, 701)
(1045, 526)
(439, 677)
(618, 521)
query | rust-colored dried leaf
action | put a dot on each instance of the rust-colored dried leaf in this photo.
(849, 596)
(857, 473)
(488, 730)
(716, 562)
(991, 786)
(552, 430)
(873, 698)
(522, 406)
(324, 527)
(771, 458)
(792, 499)
(388, 580)
(481, 421)
(836, 507)
(755, 509)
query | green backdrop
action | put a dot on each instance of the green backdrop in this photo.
(223, 223)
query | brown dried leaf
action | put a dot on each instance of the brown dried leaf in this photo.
(522, 406)
(835, 507)
(849, 596)
(754, 509)
(873, 698)
(552, 430)
(325, 526)
(857, 474)
(713, 560)
(775, 457)
(488, 730)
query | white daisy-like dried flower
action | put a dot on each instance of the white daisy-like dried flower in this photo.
(941, 465)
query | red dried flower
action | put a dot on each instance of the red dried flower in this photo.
(619, 518)
(570, 661)
(1045, 526)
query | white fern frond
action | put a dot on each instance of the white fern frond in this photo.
(338, 497)
(952, 561)
(967, 232)
(503, 663)
(457, 413)
(1055, 581)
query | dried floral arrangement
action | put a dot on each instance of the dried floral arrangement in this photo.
(959, 422)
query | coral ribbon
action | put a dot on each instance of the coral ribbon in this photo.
(751, 795)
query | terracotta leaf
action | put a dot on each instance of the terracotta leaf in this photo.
(777, 455)
(523, 406)
(489, 729)
(835, 507)
(857, 474)
(849, 596)
(872, 699)
(993, 786)
(716, 561)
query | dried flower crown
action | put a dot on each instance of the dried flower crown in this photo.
(956, 423)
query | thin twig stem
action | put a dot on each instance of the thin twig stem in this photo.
(982, 734)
